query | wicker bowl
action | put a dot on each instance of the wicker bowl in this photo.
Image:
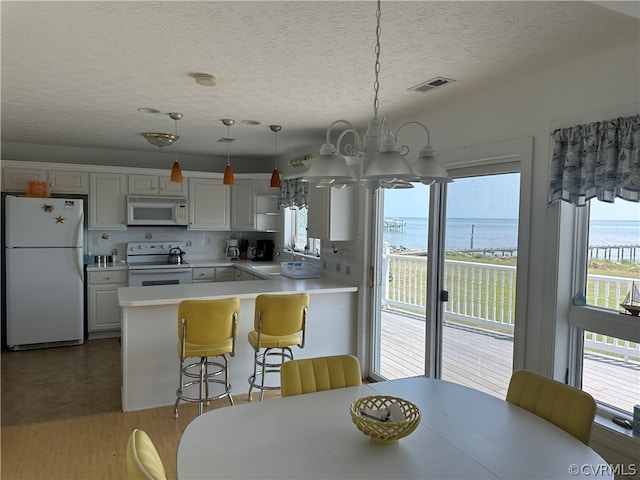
(385, 432)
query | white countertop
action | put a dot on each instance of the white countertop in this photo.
(272, 283)
(94, 267)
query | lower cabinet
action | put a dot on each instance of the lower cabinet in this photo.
(212, 274)
(242, 275)
(102, 297)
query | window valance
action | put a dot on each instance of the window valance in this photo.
(600, 159)
(293, 193)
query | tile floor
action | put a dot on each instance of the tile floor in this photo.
(63, 382)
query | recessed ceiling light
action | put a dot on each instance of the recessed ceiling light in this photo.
(250, 122)
(148, 110)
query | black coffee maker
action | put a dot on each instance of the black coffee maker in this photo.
(264, 251)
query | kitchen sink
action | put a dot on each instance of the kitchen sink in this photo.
(268, 269)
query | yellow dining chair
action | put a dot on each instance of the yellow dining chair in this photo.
(206, 328)
(317, 374)
(143, 460)
(566, 407)
(280, 322)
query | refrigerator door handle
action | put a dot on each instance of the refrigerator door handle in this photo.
(80, 249)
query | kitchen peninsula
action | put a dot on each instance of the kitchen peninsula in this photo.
(149, 329)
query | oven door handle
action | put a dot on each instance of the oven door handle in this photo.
(156, 271)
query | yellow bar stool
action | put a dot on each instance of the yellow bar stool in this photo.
(280, 322)
(206, 328)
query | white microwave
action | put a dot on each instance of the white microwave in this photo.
(157, 211)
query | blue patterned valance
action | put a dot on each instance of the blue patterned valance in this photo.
(600, 159)
(293, 193)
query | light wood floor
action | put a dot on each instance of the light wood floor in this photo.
(93, 447)
(62, 419)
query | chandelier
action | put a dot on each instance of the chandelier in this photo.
(384, 162)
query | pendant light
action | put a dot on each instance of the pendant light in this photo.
(176, 171)
(382, 162)
(228, 171)
(275, 176)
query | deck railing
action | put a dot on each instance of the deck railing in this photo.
(483, 295)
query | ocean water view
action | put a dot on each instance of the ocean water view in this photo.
(499, 233)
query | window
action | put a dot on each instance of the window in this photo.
(607, 358)
(295, 231)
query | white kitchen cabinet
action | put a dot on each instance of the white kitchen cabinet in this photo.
(241, 275)
(68, 181)
(107, 201)
(212, 274)
(16, 179)
(268, 218)
(225, 274)
(209, 204)
(243, 202)
(102, 298)
(140, 184)
(332, 213)
(60, 181)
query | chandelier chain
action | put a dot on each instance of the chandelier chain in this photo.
(376, 83)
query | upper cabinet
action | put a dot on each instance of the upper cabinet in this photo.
(107, 201)
(268, 217)
(255, 206)
(332, 213)
(59, 181)
(243, 205)
(142, 184)
(209, 204)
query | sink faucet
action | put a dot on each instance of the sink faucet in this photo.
(291, 251)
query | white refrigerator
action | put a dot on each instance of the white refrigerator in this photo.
(44, 271)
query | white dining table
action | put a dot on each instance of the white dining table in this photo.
(463, 434)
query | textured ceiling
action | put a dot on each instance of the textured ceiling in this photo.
(75, 73)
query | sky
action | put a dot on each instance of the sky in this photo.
(494, 196)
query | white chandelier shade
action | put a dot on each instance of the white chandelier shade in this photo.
(385, 164)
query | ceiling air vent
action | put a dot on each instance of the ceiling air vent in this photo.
(226, 140)
(431, 84)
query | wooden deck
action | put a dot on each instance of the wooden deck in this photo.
(483, 360)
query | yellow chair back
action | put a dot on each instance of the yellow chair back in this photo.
(281, 314)
(566, 407)
(208, 321)
(143, 460)
(317, 374)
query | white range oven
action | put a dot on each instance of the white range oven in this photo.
(149, 264)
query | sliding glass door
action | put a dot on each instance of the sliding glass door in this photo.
(480, 247)
(402, 282)
(446, 270)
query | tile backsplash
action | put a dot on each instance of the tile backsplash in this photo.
(198, 244)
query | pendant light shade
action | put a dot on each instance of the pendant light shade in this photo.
(275, 176)
(228, 176)
(176, 171)
(228, 171)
